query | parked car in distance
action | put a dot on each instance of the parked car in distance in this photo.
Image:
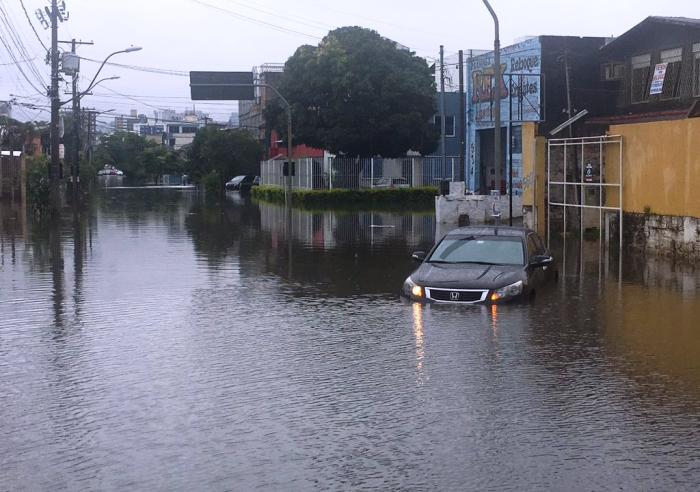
(243, 183)
(392, 183)
(482, 264)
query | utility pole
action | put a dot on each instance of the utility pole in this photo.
(443, 151)
(496, 98)
(75, 157)
(461, 176)
(55, 165)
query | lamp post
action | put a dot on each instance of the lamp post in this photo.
(496, 98)
(75, 99)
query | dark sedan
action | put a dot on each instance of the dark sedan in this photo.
(242, 183)
(480, 265)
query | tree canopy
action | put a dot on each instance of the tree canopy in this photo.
(359, 94)
(139, 158)
(225, 152)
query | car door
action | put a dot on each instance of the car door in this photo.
(537, 273)
(550, 270)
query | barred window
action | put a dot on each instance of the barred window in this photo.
(671, 87)
(641, 77)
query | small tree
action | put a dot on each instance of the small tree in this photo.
(359, 94)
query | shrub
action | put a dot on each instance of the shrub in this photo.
(37, 183)
(212, 183)
(370, 198)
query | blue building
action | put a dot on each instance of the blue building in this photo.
(535, 87)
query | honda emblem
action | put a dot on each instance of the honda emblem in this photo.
(454, 296)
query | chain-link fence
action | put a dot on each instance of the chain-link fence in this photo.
(358, 173)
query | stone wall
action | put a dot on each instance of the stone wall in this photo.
(479, 208)
(663, 235)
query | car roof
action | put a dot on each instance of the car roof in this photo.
(490, 230)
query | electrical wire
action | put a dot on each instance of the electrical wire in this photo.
(18, 61)
(259, 22)
(15, 40)
(32, 25)
(19, 44)
(160, 71)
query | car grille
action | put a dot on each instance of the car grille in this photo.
(457, 295)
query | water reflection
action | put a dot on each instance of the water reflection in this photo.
(418, 334)
(156, 340)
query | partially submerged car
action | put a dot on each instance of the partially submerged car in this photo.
(485, 264)
(243, 182)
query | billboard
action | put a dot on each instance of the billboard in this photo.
(520, 85)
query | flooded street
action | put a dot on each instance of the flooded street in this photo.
(156, 342)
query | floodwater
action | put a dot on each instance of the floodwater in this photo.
(155, 342)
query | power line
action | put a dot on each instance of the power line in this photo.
(160, 71)
(18, 61)
(308, 22)
(255, 21)
(17, 41)
(32, 25)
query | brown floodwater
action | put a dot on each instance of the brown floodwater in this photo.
(156, 341)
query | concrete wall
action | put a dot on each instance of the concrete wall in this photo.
(661, 167)
(534, 179)
(661, 183)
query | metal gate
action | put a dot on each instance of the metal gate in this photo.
(585, 173)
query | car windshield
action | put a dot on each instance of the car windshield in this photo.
(492, 250)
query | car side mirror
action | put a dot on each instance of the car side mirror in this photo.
(541, 260)
(418, 255)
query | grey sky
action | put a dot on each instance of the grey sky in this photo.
(183, 35)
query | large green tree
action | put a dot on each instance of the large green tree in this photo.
(224, 152)
(359, 94)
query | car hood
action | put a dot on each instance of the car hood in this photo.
(467, 275)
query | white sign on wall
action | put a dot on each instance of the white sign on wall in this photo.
(657, 83)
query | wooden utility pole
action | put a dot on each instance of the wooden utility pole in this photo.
(75, 157)
(55, 164)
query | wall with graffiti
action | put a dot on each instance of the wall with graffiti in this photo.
(520, 96)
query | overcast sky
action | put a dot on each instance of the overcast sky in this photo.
(183, 35)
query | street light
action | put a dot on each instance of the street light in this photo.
(496, 98)
(127, 50)
(76, 123)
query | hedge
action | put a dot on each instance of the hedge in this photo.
(422, 197)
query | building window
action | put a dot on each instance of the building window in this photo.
(641, 75)
(449, 125)
(672, 79)
(174, 128)
(696, 69)
(189, 129)
(612, 71)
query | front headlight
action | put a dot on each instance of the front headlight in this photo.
(511, 290)
(411, 289)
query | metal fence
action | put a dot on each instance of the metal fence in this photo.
(12, 175)
(359, 173)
